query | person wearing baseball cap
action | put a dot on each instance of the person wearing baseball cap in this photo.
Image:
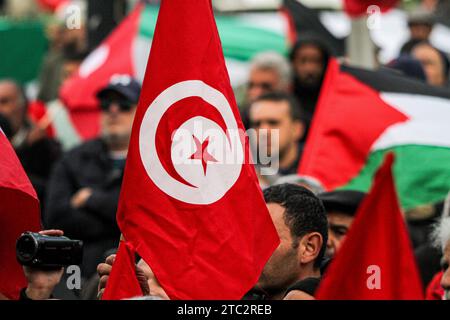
(85, 185)
(341, 207)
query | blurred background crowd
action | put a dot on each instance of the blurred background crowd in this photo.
(71, 73)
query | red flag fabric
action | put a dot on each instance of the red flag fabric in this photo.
(122, 282)
(190, 201)
(376, 261)
(113, 56)
(52, 5)
(19, 212)
(356, 8)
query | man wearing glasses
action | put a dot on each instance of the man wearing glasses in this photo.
(85, 185)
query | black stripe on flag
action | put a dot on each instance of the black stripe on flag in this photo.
(385, 80)
(307, 21)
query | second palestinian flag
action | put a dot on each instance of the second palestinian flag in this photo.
(362, 115)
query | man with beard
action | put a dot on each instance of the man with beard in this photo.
(85, 185)
(293, 270)
(309, 58)
(275, 114)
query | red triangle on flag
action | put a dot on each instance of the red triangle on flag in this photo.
(376, 261)
(122, 282)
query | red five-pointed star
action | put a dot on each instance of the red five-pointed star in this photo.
(202, 153)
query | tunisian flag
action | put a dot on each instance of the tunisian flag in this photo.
(355, 8)
(376, 261)
(190, 204)
(19, 212)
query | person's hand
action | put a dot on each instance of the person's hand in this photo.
(79, 199)
(42, 282)
(104, 270)
(154, 287)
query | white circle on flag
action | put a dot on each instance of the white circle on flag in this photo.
(207, 181)
(94, 61)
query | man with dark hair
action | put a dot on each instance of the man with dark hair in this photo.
(341, 207)
(277, 111)
(309, 58)
(299, 217)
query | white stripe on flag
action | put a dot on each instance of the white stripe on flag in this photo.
(428, 122)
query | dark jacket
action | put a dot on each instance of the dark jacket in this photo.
(38, 160)
(88, 165)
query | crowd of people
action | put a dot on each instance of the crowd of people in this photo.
(78, 183)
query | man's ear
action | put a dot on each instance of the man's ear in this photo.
(309, 247)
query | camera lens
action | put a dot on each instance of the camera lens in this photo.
(26, 248)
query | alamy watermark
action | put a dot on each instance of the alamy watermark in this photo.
(373, 17)
(209, 145)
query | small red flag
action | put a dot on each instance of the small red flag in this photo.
(113, 56)
(355, 8)
(19, 212)
(190, 201)
(122, 282)
(376, 261)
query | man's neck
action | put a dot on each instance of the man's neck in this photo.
(117, 146)
(305, 274)
(309, 273)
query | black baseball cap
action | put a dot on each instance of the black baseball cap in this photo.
(123, 84)
(345, 201)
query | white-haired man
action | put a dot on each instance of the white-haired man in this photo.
(442, 234)
(269, 71)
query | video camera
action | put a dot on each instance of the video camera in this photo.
(41, 251)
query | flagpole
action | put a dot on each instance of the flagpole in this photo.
(360, 47)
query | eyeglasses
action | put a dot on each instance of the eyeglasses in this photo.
(124, 105)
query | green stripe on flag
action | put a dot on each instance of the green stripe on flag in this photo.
(147, 21)
(240, 40)
(422, 174)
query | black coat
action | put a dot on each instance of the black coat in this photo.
(89, 166)
(38, 160)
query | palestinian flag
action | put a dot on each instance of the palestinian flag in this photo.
(362, 115)
(126, 51)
